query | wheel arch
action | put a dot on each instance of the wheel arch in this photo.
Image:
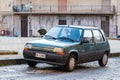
(75, 54)
(107, 52)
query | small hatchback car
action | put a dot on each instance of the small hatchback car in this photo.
(68, 45)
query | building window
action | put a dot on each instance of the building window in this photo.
(105, 18)
(62, 20)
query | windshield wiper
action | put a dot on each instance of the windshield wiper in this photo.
(49, 36)
(66, 38)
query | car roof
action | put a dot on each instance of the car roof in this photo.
(74, 26)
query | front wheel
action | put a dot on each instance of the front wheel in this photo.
(71, 63)
(31, 63)
(103, 61)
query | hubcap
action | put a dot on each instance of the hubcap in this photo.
(72, 63)
(105, 59)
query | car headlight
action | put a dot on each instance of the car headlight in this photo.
(27, 46)
(58, 51)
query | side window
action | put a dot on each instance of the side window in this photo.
(97, 36)
(101, 36)
(88, 35)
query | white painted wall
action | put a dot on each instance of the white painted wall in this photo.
(17, 25)
(45, 22)
(48, 21)
(84, 20)
(118, 18)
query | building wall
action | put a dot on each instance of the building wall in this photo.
(43, 22)
(49, 21)
(69, 2)
(118, 17)
(77, 4)
(5, 17)
(92, 20)
(6, 6)
(37, 2)
(16, 26)
(6, 25)
(118, 3)
(46, 22)
(84, 2)
(45, 2)
(113, 28)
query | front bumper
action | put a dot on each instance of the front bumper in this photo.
(51, 58)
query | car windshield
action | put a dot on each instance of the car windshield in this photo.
(64, 33)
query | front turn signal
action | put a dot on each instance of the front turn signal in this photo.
(25, 49)
(58, 51)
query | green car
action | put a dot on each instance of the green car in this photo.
(68, 45)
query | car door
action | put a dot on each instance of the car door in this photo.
(99, 44)
(87, 47)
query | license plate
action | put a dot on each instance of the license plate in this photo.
(39, 55)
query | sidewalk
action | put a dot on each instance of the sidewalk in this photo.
(17, 44)
(115, 47)
(13, 44)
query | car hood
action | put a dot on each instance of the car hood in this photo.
(51, 43)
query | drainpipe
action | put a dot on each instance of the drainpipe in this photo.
(30, 25)
(116, 13)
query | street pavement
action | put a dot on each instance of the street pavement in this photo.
(42, 71)
(17, 44)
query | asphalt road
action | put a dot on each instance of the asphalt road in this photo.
(86, 71)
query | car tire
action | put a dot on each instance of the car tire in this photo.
(103, 61)
(31, 63)
(71, 63)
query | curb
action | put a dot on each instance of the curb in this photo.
(114, 55)
(4, 52)
(114, 38)
(23, 61)
(12, 62)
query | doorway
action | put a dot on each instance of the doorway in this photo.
(105, 25)
(24, 26)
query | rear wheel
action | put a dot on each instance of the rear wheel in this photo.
(71, 63)
(103, 61)
(31, 63)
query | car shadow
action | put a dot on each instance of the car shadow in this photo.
(50, 68)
